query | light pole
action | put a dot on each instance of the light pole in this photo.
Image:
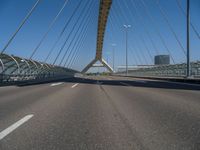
(126, 30)
(188, 39)
(113, 45)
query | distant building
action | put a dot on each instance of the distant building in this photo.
(162, 60)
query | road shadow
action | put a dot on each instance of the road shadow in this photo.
(143, 83)
(116, 82)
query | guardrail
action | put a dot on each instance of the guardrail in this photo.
(16, 69)
(178, 70)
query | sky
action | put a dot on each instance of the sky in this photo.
(151, 32)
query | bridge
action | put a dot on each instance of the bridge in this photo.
(103, 15)
(99, 74)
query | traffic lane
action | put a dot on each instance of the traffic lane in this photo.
(164, 86)
(30, 110)
(20, 90)
(83, 119)
(6, 90)
(116, 126)
(160, 83)
(12, 106)
(179, 90)
(162, 121)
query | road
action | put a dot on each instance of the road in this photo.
(103, 113)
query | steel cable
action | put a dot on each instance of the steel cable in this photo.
(21, 25)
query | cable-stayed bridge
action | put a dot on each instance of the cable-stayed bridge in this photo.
(100, 74)
(14, 68)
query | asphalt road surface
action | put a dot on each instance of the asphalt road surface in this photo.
(100, 113)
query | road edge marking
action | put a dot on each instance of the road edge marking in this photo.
(14, 126)
(55, 84)
(73, 86)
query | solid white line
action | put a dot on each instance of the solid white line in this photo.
(11, 128)
(73, 86)
(55, 84)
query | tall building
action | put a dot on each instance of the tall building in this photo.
(162, 60)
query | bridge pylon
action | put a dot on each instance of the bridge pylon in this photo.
(92, 64)
(104, 9)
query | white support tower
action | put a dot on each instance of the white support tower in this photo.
(103, 16)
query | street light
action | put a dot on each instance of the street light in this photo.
(126, 30)
(188, 73)
(113, 45)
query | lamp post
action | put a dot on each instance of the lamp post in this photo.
(126, 30)
(188, 73)
(113, 45)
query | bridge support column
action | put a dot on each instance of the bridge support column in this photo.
(91, 64)
(104, 9)
(110, 69)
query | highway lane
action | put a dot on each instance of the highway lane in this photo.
(102, 113)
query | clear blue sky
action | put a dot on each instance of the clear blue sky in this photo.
(122, 12)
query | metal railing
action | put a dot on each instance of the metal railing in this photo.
(16, 69)
(177, 70)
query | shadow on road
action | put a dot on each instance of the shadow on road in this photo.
(116, 82)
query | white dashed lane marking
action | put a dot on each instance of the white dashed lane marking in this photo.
(14, 126)
(55, 84)
(73, 86)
